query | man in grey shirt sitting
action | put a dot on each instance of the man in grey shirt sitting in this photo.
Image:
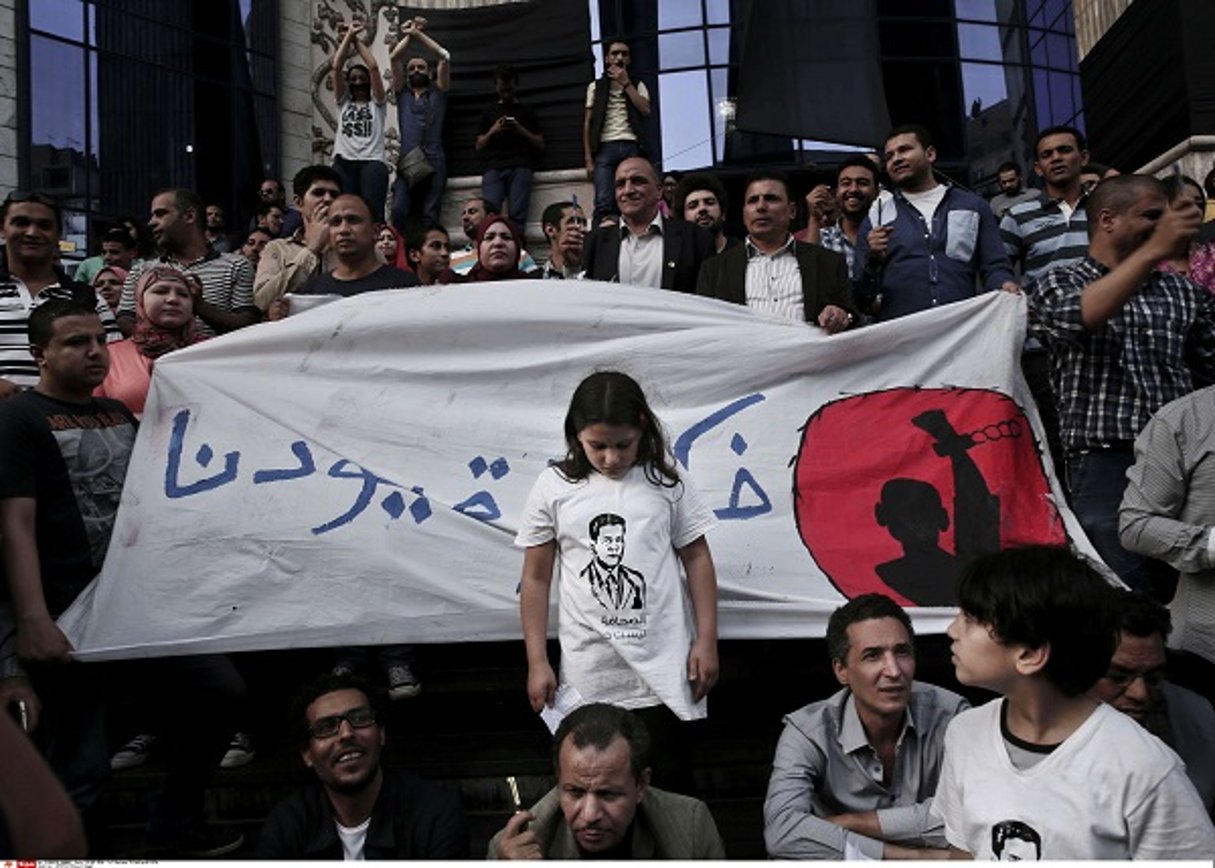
(854, 774)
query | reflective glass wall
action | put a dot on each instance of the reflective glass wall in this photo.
(124, 97)
(984, 75)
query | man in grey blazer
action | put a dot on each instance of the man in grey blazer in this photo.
(774, 273)
(645, 249)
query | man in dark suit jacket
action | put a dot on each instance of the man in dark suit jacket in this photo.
(645, 249)
(765, 271)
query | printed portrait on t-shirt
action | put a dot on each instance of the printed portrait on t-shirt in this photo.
(97, 465)
(613, 585)
(1014, 841)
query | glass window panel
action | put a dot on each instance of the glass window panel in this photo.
(61, 17)
(593, 6)
(1059, 51)
(719, 45)
(976, 10)
(983, 82)
(678, 13)
(979, 42)
(681, 49)
(1042, 99)
(721, 111)
(1037, 48)
(57, 113)
(717, 11)
(686, 140)
(1061, 109)
(1056, 10)
(94, 120)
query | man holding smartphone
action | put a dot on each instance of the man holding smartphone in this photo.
(510, 145)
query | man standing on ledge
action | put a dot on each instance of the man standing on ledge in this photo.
(612, 129)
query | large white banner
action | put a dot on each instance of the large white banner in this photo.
(355, 474)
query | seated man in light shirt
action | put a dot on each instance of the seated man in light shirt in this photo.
(854, 774)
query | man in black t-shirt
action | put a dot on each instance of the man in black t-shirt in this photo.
(352, 234)
(63, 459)
(510, 143)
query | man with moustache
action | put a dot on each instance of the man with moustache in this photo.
(358, 268)
(774, 273)
(356, 809)
(603, 806)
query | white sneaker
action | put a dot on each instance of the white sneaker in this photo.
(240, 752)
(134, 753)
(401, 682)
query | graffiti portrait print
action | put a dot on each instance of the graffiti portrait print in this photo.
(613, 585)
(896, 490)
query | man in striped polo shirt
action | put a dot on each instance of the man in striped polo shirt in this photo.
(178, 222)
(1046, 232)
(29, 276)
(1051, 229)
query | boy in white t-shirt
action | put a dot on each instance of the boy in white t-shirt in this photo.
(1045, 767)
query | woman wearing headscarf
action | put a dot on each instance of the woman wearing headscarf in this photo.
(107, 283)
(498, 245)
(164, 321)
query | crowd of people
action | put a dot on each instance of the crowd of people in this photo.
(1117, 274)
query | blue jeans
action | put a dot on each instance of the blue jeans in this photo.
(428, 195)
(1096, 481)
(366, 178)
(514, 184)
(607, 158)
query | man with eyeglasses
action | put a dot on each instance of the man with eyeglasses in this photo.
(1135, 685)
(357, 809)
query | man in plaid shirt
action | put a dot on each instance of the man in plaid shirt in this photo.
(1124, 339)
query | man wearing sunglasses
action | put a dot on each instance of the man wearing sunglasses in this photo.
(357, 809)
(1135, 685)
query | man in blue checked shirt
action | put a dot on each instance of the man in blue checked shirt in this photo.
(929, 243)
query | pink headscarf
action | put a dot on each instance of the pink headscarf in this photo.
(153, 340)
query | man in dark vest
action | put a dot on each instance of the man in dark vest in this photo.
(612, 131)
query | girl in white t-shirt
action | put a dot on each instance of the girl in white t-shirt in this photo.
(637, 592)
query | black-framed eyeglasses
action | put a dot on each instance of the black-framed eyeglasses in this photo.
(328, 726)
(1123, 680)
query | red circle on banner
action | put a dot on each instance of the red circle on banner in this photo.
(882, 478)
